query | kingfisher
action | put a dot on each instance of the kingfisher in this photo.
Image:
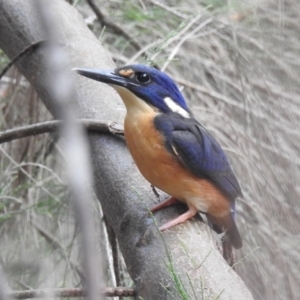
(172, 150)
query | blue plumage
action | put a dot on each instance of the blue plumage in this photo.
(191, 143)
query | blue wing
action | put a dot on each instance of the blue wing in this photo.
(192, 144)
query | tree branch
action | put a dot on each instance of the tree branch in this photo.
(24, 52)
(55, 244)
(50, 126)
(105, 21)
(71, 292)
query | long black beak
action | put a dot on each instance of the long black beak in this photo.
(105, 76)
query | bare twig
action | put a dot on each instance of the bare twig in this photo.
(114, 249)
(155, 192)
(71, 292)
(164, 43)
(104, 21)
(50, 126)
(55, 244)
(183, 39)
(26, 51)
(36, 182)
(170, 9)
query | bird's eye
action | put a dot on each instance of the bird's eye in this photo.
(142, 77)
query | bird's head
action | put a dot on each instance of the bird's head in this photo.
(140, 84)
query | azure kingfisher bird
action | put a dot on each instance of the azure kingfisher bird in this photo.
(172, 150)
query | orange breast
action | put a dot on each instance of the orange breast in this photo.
(165, 172)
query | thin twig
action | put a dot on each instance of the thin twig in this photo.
(56, 245)
(104, 21)
(170, 9)
(114, 249)
(155, 191)
(36, 182)
(182, 40)
(24, 52)
(71, 292)
(50, 126)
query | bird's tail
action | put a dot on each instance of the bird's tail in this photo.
(234, 234)
(227, 223)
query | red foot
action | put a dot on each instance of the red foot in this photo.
(170, 201)
(182, 218)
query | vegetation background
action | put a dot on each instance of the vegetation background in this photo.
(238, 65)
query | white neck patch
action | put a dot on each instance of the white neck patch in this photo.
(176, 108)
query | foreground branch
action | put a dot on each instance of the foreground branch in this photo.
(71, 292)
(78, 165)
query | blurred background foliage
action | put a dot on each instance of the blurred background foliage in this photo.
(238, 65)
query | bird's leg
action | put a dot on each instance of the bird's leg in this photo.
(182, 218)
(170, 201)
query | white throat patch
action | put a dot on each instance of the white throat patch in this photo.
(176, 108)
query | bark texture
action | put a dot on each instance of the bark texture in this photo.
(152, 259)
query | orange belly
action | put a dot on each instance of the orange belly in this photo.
(165, 172)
